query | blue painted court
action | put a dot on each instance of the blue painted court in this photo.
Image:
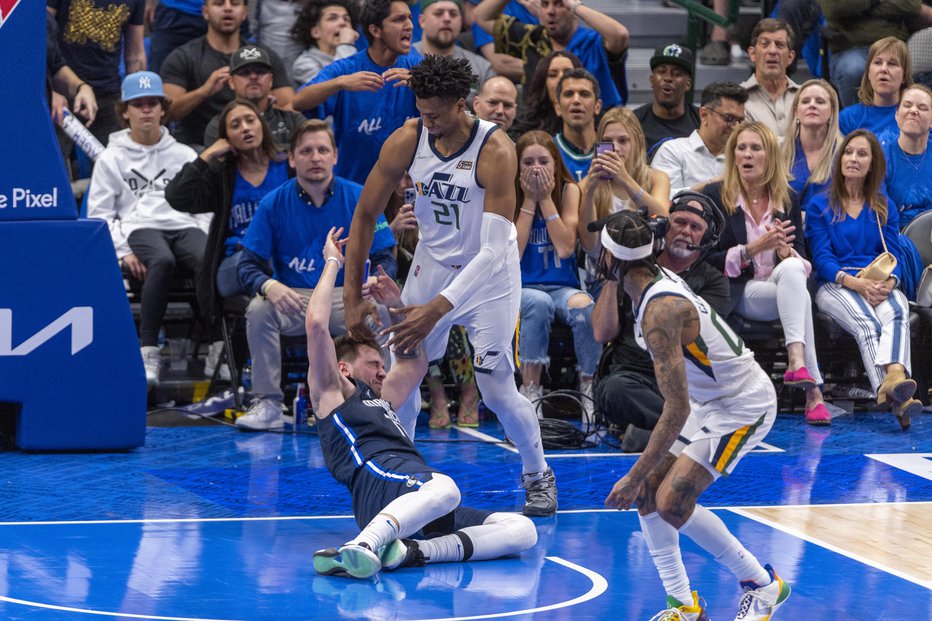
(212, 523)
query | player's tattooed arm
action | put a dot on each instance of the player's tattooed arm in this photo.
(665, 321)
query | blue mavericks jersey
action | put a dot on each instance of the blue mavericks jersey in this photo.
(362, 121)
(540, 263)
(361, 433)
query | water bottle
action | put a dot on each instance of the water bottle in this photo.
(245, 376)
(299, 406)
(81, 135)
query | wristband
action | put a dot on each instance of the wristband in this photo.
(264, 287)
(638, 197)
(840, 278)
(551, 218)
(527, 211)
(745, 257)
(336, 260)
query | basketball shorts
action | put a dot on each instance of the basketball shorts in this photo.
(718, 434)
(489, 315)
(375, 488)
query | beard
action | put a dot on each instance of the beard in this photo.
(680, 252)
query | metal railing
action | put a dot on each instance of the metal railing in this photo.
(698, 12)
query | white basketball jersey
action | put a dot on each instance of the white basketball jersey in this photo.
(718, 364)
(449, 200)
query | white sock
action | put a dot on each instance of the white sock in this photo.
(516, 415)
(664, 544)
(409, 513)
(499, 535)
(710, 532)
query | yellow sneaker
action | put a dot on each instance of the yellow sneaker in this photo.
(677, 611)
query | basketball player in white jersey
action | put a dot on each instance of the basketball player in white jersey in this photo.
(718, 405)
(465, 270)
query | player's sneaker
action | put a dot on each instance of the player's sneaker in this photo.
(354, 560)
(676, 611)
(760, 602)
(401, 553)
(540, 496)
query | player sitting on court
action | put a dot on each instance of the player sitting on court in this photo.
(395, 493)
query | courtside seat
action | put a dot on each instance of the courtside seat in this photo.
(919, 231)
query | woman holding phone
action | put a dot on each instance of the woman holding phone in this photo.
(619, 178)
(763, 253)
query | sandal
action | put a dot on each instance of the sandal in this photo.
(439, 417)
(716, 53)
(468, 415)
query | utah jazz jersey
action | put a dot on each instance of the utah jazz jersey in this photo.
(364, 432)
(718, 364)
(450, 199)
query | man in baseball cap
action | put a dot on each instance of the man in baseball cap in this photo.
(671, 76)
(252, 57)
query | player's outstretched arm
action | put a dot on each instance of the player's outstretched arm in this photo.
(665, 319)
(326, 385)
(396, 154)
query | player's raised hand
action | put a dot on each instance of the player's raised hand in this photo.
(333, 247)
(385, 291)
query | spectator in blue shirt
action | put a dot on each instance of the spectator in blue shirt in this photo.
(889, 73)
(365, 94)
(812, 139)
(847, 227)
(579, 102)
(289, 229)
(602, 47)
(909, 171)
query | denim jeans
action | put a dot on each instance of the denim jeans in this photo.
(540, 304)
(845, 70)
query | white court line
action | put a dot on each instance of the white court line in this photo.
(763, 447)
(483, 436)
(833, 548)
(599, 586)
(294, 518)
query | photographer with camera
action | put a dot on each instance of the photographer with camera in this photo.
(628, 397)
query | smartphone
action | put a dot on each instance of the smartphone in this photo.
(410, 196)
(604, 147)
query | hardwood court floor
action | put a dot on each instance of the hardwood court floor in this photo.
(210, 523)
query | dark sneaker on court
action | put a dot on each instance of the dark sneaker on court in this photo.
(540, 496)
(401, 553)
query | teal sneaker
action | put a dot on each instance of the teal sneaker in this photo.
(352, 561)
(401, 553)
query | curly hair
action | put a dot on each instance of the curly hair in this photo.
(442, 76)
(310, 15)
